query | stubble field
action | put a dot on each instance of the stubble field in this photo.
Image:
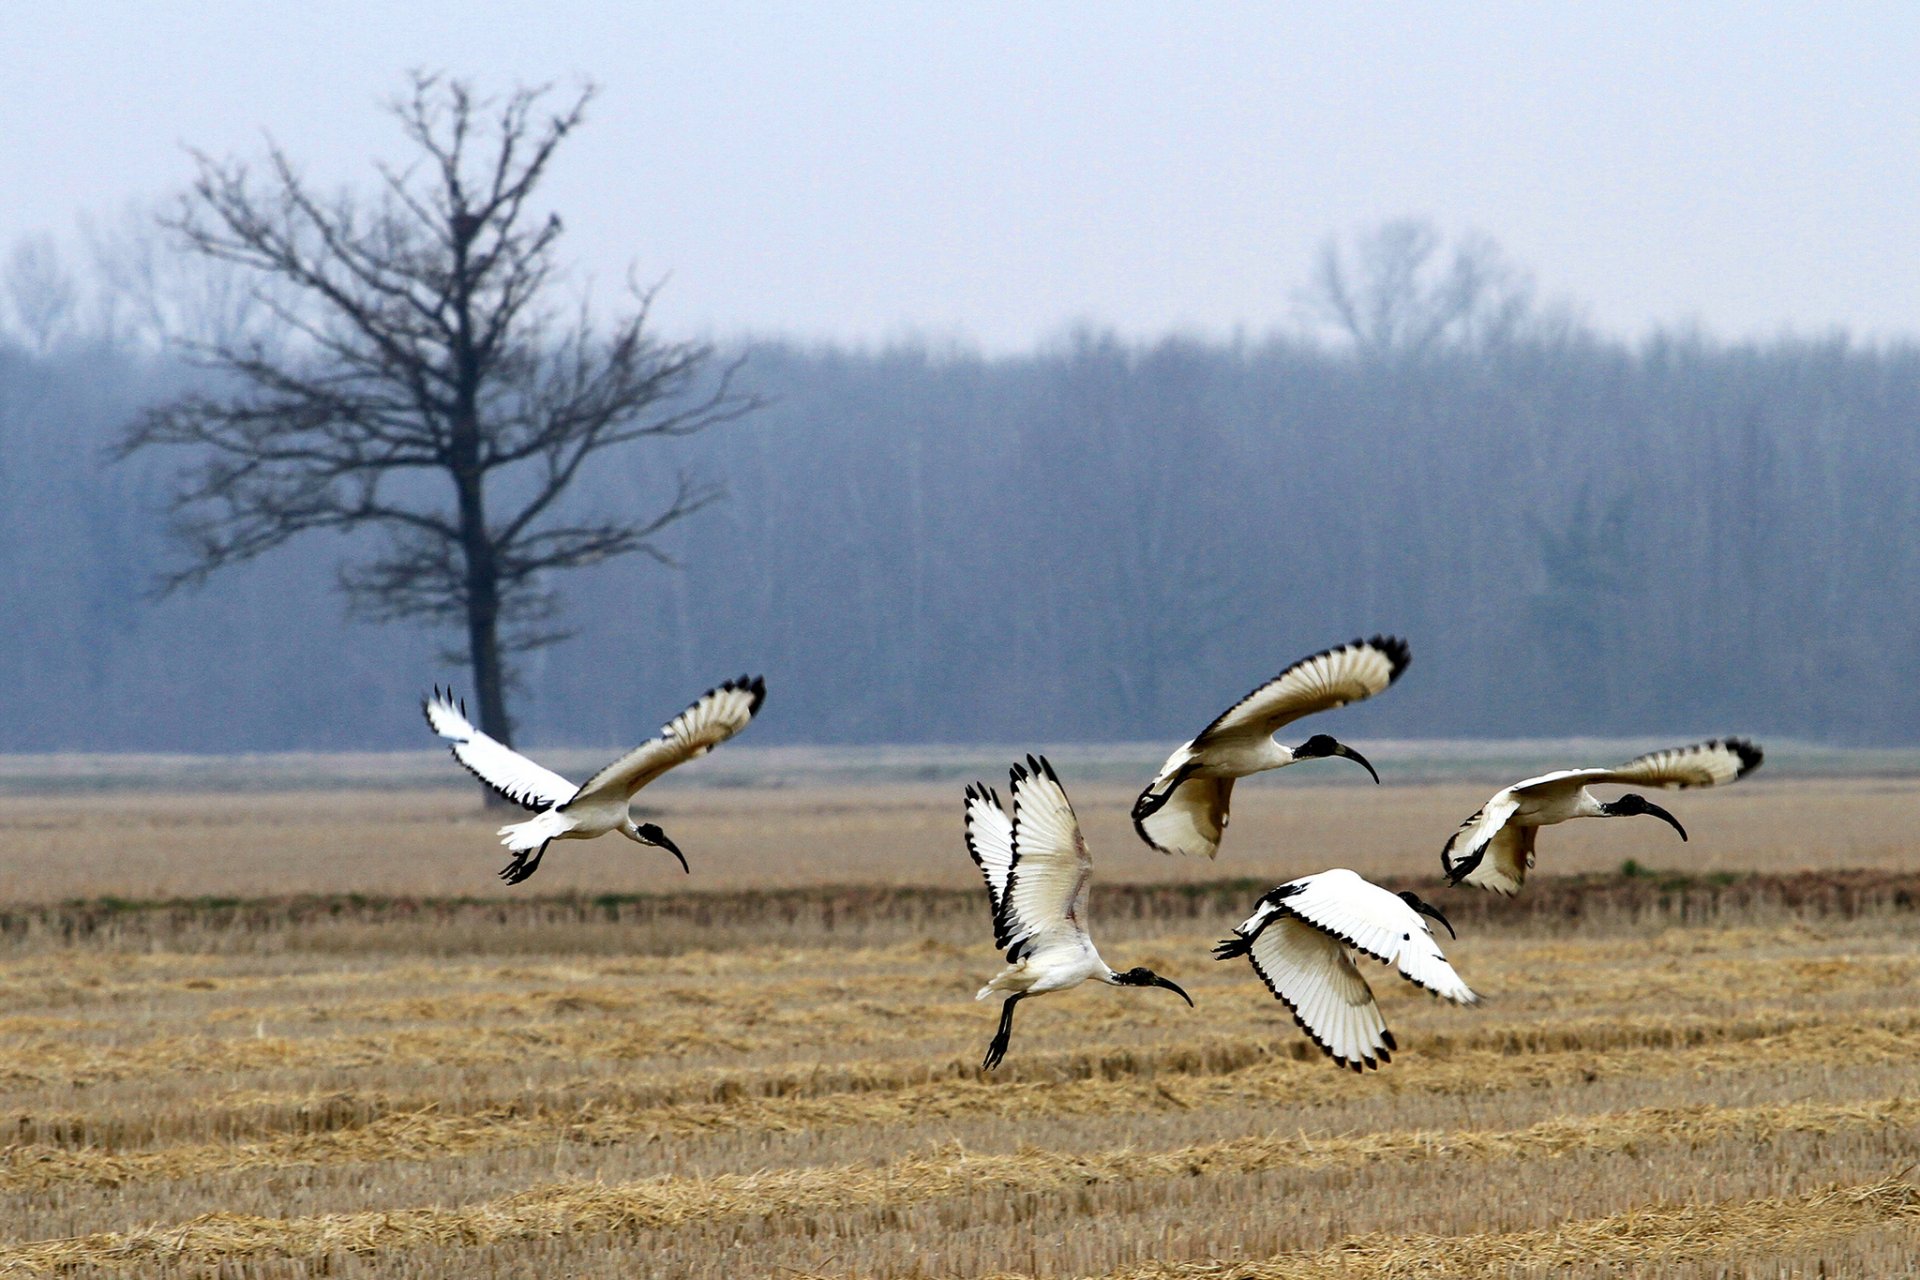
(771, 1070)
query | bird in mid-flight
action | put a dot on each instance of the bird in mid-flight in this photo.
(1494, 848)
(1037, 869)
(1300, 938)
(1184, 808)
(563, 811)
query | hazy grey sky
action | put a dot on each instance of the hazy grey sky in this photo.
(996, 171)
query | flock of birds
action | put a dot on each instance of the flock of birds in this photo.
(1302, 936)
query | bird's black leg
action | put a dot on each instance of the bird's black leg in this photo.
(522, 866)
(998, 1049)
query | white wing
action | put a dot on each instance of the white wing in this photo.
(1192, 819)
(1465, 855)
(1370, 919)
(1328, 679)
(519, 779)
(1047, 884)
(990, 840)
(1704, 764)
(715, 716)
(1500, 864)
(1314, 977)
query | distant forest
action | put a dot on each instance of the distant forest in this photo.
(1104, 540)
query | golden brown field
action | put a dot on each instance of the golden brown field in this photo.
(1695, 1074)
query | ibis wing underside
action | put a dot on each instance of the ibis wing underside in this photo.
(529, 785)
(1312, 974)
(715, 716)
(1046, 886)
(1325, 680)
(1191, 820)
(1502, 863)
(1703, 764)
(1490, 850)
(990, 840)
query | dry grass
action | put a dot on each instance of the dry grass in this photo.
(437, 842)
(1700, 1075)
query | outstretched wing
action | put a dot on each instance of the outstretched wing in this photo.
(990, 840)
(715, 716)
(519, 779)
(1467, 851)
(1500, 865)
(1370, 919)
(1328, 679)
(1314, 977)
(1190, 820)
(1047, 882)
(1704, 764)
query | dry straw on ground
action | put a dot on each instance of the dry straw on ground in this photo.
(1686, 1072)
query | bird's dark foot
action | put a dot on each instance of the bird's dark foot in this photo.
(522, 866)
(998, 1049)
(995, 1052)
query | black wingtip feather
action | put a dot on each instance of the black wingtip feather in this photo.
(1751, 756)
(1232, 948)
(1397, 652)
(438, 696)
(755, 685)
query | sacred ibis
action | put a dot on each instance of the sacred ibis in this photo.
(1184, 808)
(1494, 848)
(1037, 867)
(1300, 938)
(563, 811)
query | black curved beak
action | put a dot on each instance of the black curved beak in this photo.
(658, 837)
(1426, 908)
(1654, 810)
(1344, 750)
(1174, 987)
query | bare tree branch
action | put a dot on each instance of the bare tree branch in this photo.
(1399, 295)
(417, 341)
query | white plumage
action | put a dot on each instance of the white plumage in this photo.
(1184, 808)
(1300, 939)
(1493, 849)
(1037, 869)
(563, 811)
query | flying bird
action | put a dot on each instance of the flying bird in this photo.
(1037, 868)
(1184, 808)
(563, 811)
(1494, 848)
(1300, 938)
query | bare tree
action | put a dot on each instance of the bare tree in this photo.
(40, 291)
(148, 296)
(425, 384)
(1399, 294)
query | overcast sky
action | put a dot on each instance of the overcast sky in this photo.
(994, 172)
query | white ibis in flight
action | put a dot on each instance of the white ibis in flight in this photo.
(563, 811)
(1184, 808)
(1300, 938)
(1494, 848)
(1037, 868)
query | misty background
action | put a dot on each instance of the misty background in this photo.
(1068, 434)
(1101, 540)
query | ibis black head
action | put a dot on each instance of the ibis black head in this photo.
(1426, 908)
(650, 833)
(1633, 805)
(1138, 977)
(1321, 744)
